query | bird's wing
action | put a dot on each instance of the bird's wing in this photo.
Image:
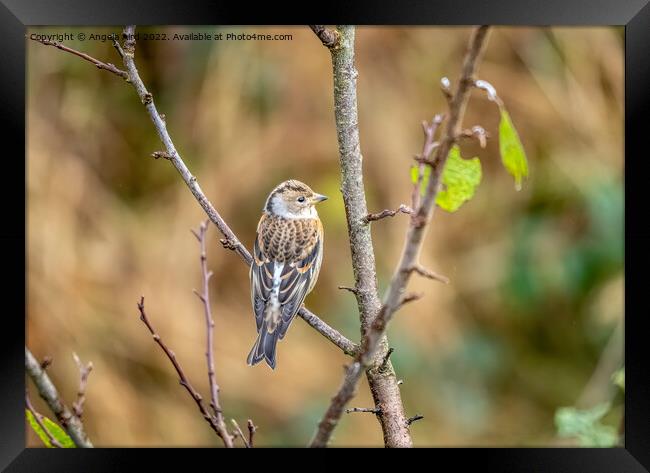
(299, 279)
(261, 275)
(297, 274)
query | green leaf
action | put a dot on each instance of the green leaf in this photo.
(585, 425)
(460, 178)
(513, 156)
(56, 431)
(425, 177)
(618, 378)
(37, 428)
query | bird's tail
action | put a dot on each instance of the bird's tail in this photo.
(264, 347)
(267, 339)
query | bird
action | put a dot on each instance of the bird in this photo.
(287, 256)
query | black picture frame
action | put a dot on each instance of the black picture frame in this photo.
(17, 15)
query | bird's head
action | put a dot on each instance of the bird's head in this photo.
(293, 199)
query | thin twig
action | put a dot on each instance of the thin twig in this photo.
(416, 417)
(160, 154)
(410, 297)
(414, 239)
(84, 371)
(99, 64)
(388, 213)
(218, 427)
(252, 428)
(428, 146)
(349, 289)
(408, 261)
(328, 37)
(118, 47)
(46, 389)
(372, 410)
(39, 420)
(427, 273)
(240, 433)
(204, 297)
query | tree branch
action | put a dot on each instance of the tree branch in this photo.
(99, 64)
(373, 338)
(383, 385)
(71, 423)
(218, 426)
(328, 37)
(337, 338)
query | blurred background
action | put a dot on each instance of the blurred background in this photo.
(531, 321)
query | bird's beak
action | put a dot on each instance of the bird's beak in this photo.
(318, 198)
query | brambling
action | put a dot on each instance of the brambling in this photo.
(287, 256)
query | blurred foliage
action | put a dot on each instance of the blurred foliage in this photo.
(618, 378)
(536, 292)
(585, 424)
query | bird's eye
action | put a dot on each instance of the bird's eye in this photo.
(301, 199)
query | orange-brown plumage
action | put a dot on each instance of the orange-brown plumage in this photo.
(287, 240)
(287, 255)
